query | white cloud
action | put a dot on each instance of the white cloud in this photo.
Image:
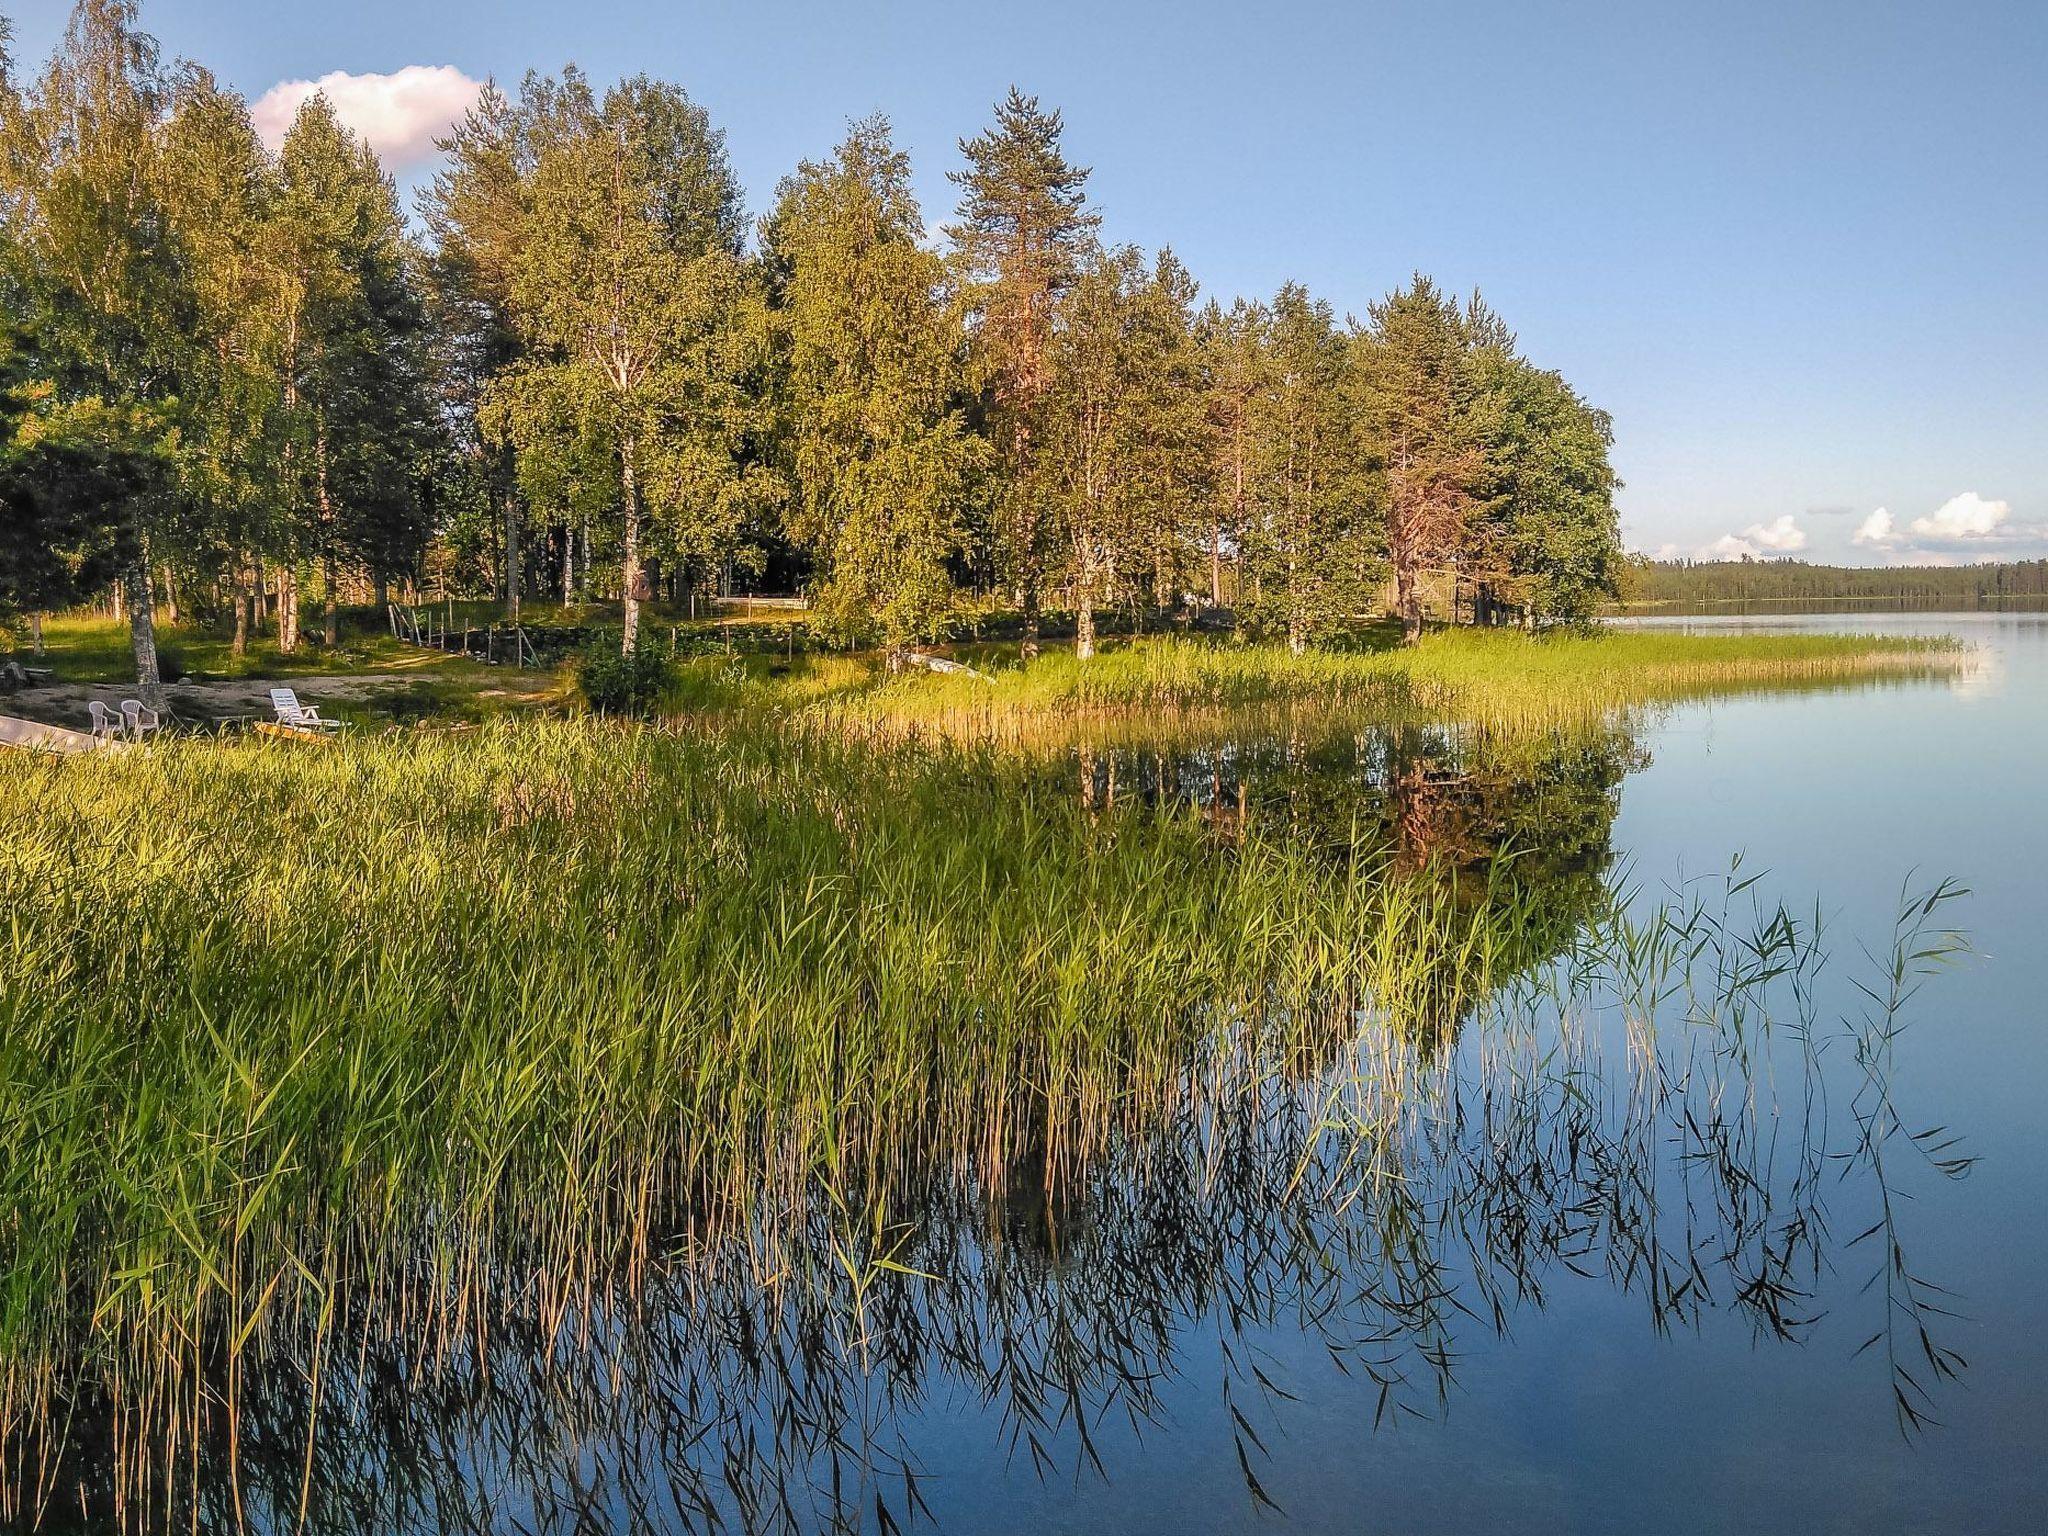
(1962, 524)
(1968, 516)
(1781, 536)
(399, 115)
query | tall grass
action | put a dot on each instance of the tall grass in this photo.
(1500, 676)
(346, 1085)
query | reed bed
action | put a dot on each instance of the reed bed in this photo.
(492, 1090)
(1502, 677)
(277, 1025)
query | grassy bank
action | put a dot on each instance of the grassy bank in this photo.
(1467, 674)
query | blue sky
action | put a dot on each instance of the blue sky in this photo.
(1799, 250)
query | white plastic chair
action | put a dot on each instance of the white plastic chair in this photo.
(140, 718)
(291, 713)
(107, 722)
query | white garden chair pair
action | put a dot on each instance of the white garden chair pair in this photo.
(133, 721)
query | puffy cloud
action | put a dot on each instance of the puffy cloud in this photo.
(1968, 516)
(1960, 524)
(399, 115)
(1781, 536)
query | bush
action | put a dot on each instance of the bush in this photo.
(617, 684)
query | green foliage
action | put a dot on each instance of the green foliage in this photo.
(1796, 581)
(615, 681)
(586, 355)
(877, 442)
(1309, 547)
(1020, 236)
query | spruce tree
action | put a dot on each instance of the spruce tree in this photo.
(350, 340)
(474, 209)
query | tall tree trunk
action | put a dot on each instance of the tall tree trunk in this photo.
(260, 594)
(1030, 577)
(568, 565)
(630, 571)
(288, 608)
(383, 598)
(1216, 565)
(149, 683)
(35, 630)
(242, 601)
(511, 558)
(330, 621)
(1408, 603)
(1084, 609)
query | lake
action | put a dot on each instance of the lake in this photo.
(1708, 1207)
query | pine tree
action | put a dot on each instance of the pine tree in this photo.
(1415, 402)
(879, 453)
(1021, 232)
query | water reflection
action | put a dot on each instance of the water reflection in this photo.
(1544, 1087)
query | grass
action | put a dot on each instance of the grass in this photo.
(321, 1067)
(376, 1017)
(1463, 674)
(1498, 676)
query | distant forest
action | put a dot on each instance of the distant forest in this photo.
(1708, 581)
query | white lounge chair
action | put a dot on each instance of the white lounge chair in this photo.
(296, 716)
(139, 718)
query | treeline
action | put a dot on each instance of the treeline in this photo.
(229, 376)
(1708, 581)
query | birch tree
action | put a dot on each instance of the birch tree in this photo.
(881, 459)
(626, 287)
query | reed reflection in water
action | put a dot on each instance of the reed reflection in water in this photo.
(1520, 1074)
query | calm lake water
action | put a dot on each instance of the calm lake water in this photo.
(1583, 1411)
(1771, 1267)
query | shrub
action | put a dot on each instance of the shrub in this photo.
(616, 684)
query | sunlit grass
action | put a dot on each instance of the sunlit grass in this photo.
(1465, 674)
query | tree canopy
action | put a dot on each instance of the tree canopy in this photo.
(232, 373)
